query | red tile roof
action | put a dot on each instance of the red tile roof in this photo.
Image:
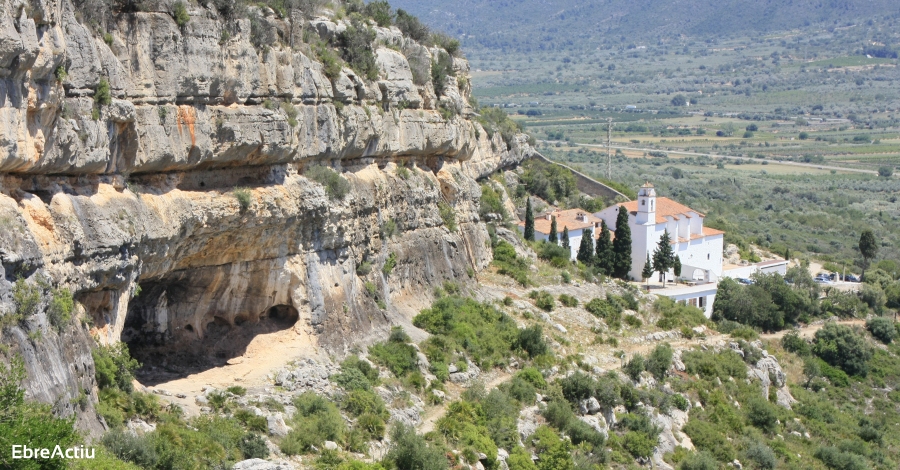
(665, 207)
(571, 218)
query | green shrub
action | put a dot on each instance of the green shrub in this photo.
(61, 74)
(411, 26)
(521, 390)
(388, 229)
(699, 461)
(251, 421)
(486, 334)
(761, 455)
(389, 264)
(180, 13)
(609, 311)
(843, 347)
(448, 215)
(744, 332)
(399, 358)
(882, 329)
(359, 402)
(102, 96)
(634, 367)
(531, 340)
(331, 63)
(674, 315)
(792, 342)
(336, 186)
(568, 300)
(638, 444)
(708, 438)
(680, 402)
(578, 386)
(837, 459)
(291, 112)
(659, 361)
(244, 198)
(60, 309)
(491, 202)
(316, 420)
(761, 414)
(26, 297)
(114, 367)
(544, 300)
(139, 450)
(236, 390)
(510, 264)
(364, 268)
(532, 376)
(411, 451)
(633, 321)
(709, 365)
(352, 379)
(356, 47)
(253, 446)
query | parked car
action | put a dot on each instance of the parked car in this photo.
(823, 280)
(745, 281)
(852, 278)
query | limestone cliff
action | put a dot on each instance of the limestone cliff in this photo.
(133, 202)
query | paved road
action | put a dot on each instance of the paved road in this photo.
(746, 159)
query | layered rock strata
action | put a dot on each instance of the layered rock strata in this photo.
(185, 203)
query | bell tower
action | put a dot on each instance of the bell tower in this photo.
(646, 211)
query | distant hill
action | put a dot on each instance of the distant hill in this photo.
(526, 25)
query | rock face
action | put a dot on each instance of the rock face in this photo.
(192, 185)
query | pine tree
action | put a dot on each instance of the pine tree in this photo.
(552, 238)
(677, 268)
(622, 245)
(565, 238)
(605, 259)
(529, 220)
(663, 257)
(647, 272)
(586, 249)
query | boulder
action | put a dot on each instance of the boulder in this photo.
(277, 426)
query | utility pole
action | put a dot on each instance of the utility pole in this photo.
(608, 147)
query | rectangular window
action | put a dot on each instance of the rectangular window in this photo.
(692, 302)
(701, 302)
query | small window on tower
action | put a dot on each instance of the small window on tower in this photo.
(643, 203)
(707, 256)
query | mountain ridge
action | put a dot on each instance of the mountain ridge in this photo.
(568, 24)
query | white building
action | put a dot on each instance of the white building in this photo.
(699, 248)
(576, 220)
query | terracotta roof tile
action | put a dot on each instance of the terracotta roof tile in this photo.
(567, 218)
(665, 207)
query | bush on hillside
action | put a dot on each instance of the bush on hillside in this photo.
(844, 347)
(882, 329)
(336, 186)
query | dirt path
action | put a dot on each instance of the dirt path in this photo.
(265, 354)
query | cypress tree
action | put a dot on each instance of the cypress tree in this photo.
(552, 238)
(677, 268)
(529, 220)
(565, 238)
(605, 258)
(663, 257)
(622, 245)
(647, 272)
(586, 249)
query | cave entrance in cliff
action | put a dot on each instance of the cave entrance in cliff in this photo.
(169, 348)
